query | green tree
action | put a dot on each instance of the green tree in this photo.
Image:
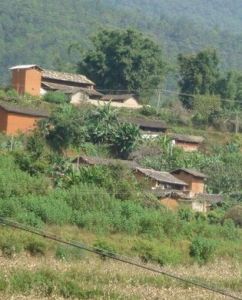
(199, 74)
(125, 139)
(64, 127)
(124, 60)
(205, 106)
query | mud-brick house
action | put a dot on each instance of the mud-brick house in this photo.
(188, 143)
(37, 81)
(195, 180)
(15, 119)
(153, 179)
(121, 101)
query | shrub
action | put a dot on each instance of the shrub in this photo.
(148, 110)
(10, 246)
(36, 248)
(103, 247)
(185, 214)
(202, 249)
(56, 97)
(235, 214)
(150, 251)
(229, 231)
(68, 253)
(125, 139)
(215, 217)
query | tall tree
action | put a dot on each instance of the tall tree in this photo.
(199, 74)
(124, 60)
(230, 89)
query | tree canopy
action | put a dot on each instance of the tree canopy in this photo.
(124, 60)
(199, 74)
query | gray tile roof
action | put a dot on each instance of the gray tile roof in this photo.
(192, 172)
(210, 198)
(64, 76)
(147, 123)
(67, 89)
(12, 108)
(163, 177)
(187, 138)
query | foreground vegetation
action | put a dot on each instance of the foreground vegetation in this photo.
(31, 277)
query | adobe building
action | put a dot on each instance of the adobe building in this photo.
(194, 179)
(26, 79)
(153, 180)
(36, 81)
(188, 143)
(15, 119)
(124, 100)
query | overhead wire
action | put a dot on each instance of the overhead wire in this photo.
(113, 256)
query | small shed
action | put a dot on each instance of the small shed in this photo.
(205, 202)
(122, 100)
(15, 119)
(194, 179)
(188, 143)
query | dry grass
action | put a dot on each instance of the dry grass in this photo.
(119, 281)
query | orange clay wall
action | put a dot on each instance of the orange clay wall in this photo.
(188, 147)
(17, 123)
(196, 185)
(27, 81)
(18, 80)
(33, 82)
(3, 120)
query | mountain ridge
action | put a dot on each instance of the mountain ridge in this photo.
(41, 32)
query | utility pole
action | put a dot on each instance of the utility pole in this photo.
(158, 101)
(236, 122)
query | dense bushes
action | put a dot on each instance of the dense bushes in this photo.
(202, 249)
(55, 97)
(69, 126)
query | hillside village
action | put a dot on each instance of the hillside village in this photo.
(120, 149)
(181, 186)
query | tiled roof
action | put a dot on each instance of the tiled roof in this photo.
(164, 177)
(210, 198)
(119, 98)
(71, 77)
(67, 89)
(161, 193)
(187, 138)
(192, 172)
(146, 123)
(104, 161)
(12, 108)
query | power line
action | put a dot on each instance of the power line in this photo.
(113, 256)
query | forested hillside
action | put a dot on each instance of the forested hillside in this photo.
(33, 31)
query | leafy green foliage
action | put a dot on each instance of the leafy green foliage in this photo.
(124, 60)
(235, 214)
(64, 127)
(125, 139)
(55, 97)
(202, 249)
(198, 75)
(206, 107)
